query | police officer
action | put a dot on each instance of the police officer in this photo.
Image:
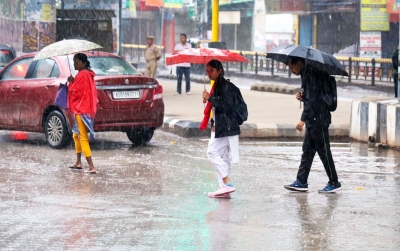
(317, 118)
(152, 56)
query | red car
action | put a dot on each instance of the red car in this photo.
(128, 101)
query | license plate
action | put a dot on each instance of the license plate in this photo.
(126, 94)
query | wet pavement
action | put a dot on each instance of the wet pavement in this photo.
(154, 198)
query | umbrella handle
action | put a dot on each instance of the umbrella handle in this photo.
(69, 66)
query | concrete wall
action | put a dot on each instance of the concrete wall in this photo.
(378, 118)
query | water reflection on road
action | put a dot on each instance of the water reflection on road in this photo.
(154, 198)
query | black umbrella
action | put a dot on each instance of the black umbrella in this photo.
(320, 60)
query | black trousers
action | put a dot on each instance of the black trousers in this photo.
(317, 140)
(396, 82)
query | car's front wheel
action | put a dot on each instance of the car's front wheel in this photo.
(56, 130)
(140, 136)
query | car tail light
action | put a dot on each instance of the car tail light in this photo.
(158, 92)
(5, 52)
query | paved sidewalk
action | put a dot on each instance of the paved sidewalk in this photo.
(270, 114)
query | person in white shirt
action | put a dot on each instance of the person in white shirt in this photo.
(184, 68)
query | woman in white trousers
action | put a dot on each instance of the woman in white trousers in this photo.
(225, 101)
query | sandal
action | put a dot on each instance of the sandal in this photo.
(75, 167)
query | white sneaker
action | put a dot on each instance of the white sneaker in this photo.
(177, 94)
(188, 93)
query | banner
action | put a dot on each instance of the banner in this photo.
(154, 3)
(392, 7)
(374, 16)
(30, 36)
(47, 34)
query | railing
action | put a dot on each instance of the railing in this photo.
(136, 52)
(358, 68)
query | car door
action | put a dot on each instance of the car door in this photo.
(10, 85)
(37, 92)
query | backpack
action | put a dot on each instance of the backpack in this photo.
(240, 109)
(331, 100)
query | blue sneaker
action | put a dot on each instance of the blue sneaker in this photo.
(331, 188)
(297, 186)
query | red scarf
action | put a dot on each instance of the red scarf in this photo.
(207, 112)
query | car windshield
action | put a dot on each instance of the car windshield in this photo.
(5, 57)
(105, 66)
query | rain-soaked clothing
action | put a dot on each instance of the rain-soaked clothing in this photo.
(152, 55)
(315, 86)
(317, 117)
(222, 152)
(82, 94)
(223, 147)
(317, 140)
(224, 99)
(80, 135)
(82, 102)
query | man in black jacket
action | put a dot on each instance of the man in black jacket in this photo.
(316, 116)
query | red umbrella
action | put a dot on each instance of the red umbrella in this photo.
(203, 56)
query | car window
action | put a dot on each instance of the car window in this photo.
(17, 70)
(46, 68)
(5, 58)
(104, 66)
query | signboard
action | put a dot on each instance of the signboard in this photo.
(224, 2)
(229, 17)
(370, 45)
(154, 3)
(374, 16)
(173, 4)
(272, 6)
(292, 6)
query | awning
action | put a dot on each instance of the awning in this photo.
(85, 14)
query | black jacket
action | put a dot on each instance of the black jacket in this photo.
(224, 100)
(315, 86)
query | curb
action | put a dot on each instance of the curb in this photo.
(280, 88)
(189, 129)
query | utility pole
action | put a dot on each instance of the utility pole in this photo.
(215, 21)
(120, 29)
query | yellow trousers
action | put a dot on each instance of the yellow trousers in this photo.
(82, 140)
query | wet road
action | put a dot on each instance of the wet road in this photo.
(153, 198)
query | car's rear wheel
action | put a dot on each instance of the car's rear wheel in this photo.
(56, 130)
(140, 136)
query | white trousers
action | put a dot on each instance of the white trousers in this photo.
(220, 153)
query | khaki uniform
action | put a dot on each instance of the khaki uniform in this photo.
(152, 56)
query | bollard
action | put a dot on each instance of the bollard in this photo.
(290, 73)
(241, 63)
(272, 67)
(256, 63)
(373, 72)
(350, 69)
